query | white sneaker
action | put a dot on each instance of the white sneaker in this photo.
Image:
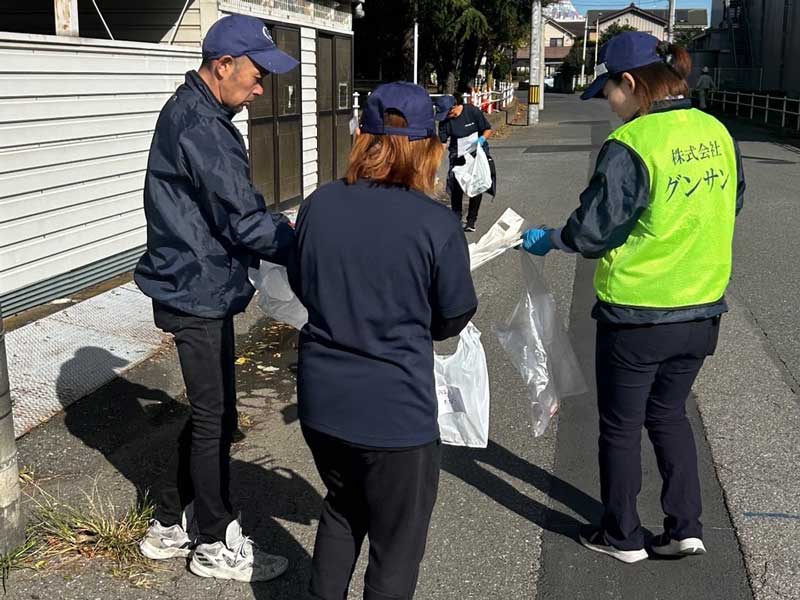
(593, 539)
(237, 558)
(666, 546)
(160, 543)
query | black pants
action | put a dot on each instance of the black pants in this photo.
(644, 376)
(457, 201)
(387, 495)
(199, 470)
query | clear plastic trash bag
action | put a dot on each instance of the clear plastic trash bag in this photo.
(475, 175)
(275, 295)
(537, 344)
(462, 391)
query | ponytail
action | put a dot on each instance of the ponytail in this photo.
(676, 58)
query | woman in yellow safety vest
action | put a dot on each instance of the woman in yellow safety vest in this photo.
(659, 215)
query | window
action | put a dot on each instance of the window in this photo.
(556, 42)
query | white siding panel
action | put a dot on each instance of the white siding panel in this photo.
(76, 122)
(33, 272)
(310, 144)
(309, 44)
(69, 239)
(38, 109)
(55, 154)
(309, 156)
(308, 56)
(310, 131)
(25, 182)
(75, 216)
(57, 199)
(308, 83)
(309, 169)
(23, 134)
(34, 86)
(310, 107)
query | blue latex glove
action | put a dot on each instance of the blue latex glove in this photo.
(481, 141)
(537, 241)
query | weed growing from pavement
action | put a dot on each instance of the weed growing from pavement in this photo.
(62, 534)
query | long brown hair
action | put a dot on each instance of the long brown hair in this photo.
(394, 159)
(660, 80)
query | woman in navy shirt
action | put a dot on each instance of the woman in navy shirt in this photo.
(383, 270)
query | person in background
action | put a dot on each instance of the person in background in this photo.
(704, 84)
(384, 271)
(659, 215)
(465, 127)
(206, 225)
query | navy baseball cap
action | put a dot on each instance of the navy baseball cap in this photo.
(621, 53)
(442, 106)
(410, 100)
(240, 35)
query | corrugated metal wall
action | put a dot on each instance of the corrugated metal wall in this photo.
(142, 21)
(76, 121)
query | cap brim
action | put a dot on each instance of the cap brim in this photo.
(274, 61)
(596, 89)
(441, 116)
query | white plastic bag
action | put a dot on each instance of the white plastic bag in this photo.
(504, 234)
(535, 340)
(275, 296)
(462, 390)
(475, 175)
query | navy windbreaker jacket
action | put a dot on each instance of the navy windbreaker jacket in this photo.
(206, 223)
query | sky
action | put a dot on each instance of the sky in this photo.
(584, 5)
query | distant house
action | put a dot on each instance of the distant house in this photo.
(558, 41)
(600, 20)
(652, 21)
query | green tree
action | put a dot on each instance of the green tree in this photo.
(684, 37)
(458, 34)
(613, 30)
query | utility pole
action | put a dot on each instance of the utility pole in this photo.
(583, 58)
(416, 43)
(535, 80)
(671, 24)
(597, 40)
(12, 527)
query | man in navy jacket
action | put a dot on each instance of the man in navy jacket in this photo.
(206, 225)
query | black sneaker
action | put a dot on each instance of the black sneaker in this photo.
(469, 228)
(594, 539)
(663, 545)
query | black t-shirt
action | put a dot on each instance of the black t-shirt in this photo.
(375, 266)
(463, 130)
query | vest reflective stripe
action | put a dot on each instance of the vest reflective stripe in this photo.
(679, 253)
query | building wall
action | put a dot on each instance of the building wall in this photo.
(634, 20)
(792, 70)
(551, 31)
(717, 12)
(76, 121)
(142, 21)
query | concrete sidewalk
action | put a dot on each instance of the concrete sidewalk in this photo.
(506, 519)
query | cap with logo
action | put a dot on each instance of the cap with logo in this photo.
(241, 35)
(408, 99)
(623, 52)
(442, 106)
